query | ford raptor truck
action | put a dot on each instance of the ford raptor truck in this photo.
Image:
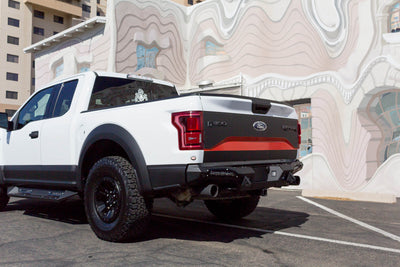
(119, 141)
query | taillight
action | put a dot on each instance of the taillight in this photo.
(190, 129)
(299, 133)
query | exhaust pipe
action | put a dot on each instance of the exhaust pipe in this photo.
(211, 190)
(293, 180)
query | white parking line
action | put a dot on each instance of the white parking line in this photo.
(370, 227)
(360, 245)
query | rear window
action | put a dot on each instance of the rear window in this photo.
(115, 92)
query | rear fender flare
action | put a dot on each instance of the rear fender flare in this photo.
(122, 137)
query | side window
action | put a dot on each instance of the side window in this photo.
(116, 92)
(36, 108)
(65, 98)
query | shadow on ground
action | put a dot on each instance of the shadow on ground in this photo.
(167, 226)
(70, 211)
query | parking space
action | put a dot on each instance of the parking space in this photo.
(285, 229)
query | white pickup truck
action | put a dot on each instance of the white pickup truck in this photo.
(119, 141)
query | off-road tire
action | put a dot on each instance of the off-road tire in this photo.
(4, 198)
(129, 218)
(232, 209)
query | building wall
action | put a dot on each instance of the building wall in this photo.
(80, 53)
(23, 33)
(70, 12)
(341, 55)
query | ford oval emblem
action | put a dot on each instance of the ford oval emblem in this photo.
(260, 126)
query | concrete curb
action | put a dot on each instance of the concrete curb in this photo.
(356, 196)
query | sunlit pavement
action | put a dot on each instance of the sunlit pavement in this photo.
(285, 229)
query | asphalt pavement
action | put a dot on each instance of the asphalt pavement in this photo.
(285, 230)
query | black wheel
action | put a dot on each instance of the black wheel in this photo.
(114, 207)
(4, 198)
(232, 209)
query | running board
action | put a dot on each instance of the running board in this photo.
(49, 194)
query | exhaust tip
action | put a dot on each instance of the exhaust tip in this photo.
(297, 180)
(292, 180)
(211, 190)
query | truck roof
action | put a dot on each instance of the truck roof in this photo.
(107, 74)
(132, 76)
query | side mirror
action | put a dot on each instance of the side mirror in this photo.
(4, 123)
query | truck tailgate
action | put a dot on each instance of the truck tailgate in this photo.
(248, 129)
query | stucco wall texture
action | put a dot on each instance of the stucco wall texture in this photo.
(338, 53)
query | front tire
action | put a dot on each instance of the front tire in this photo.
(232, 209)
(114, 207)
(4, 198)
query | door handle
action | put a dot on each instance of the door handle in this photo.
(34, 134)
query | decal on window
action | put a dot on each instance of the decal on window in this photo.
(140, 96)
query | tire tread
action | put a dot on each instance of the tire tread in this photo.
(134, 221)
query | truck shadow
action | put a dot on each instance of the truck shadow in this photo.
(70, 211)
(211, 229)
(195, 225)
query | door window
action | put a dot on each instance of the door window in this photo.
(65, 98)
(36, 108)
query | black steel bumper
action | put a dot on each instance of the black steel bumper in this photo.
(244, 176)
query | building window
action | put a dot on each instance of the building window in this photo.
(58, 19)
(38, 31)
(54, 33)
(84, 69)
(33, 64)
(190, 2)
(59, 69)
(12, 40)
(12, 58)
(386, 110)
(146, 57)
(85, 8)
(13, 4)
(213, 49)
(394, 17)
(10, 112)
(13, 22)
(12, 76)
(38, 14)
(11, 95)
(98, 1)
(33, 82)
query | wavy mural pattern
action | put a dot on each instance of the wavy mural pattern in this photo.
(91, 51)
(347, 159)
(257, 45)
(268, 81)
(149, 27)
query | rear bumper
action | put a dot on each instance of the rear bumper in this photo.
(242, 176)
(246, 176)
